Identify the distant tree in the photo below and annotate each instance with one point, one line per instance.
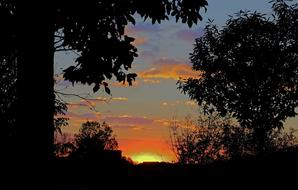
(94, 30)
(249, 69)
(209, 138)
(93, 139)
(212, 137)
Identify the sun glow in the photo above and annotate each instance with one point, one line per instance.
(146, 157)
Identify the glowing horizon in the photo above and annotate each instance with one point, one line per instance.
(146, 157)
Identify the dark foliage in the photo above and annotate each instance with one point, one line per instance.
(93, 141)
(249, 69)
(275, 170)
(212, 138)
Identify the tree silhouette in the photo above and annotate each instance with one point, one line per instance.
(211, 137)
(94, 30)
(249, 69)
(93, 139)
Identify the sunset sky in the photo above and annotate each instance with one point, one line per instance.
(140, 115)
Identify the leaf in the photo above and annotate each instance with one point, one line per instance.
(105, 84)
(69, 69)
(121, 30)
(153, 20)
(189, 23)
(128, 39)
(131, 19)
(96, 87)
(169, 8)
(107, 90)
(200, 17)
(129, 82)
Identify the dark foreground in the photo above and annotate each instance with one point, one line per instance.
(278, 170)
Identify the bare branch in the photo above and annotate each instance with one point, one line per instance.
(86, 99)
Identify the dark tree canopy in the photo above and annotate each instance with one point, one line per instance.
(249, 68)
(93, 139)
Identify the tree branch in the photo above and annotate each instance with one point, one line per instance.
(87, 100)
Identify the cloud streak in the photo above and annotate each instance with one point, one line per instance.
(168, 69)
(128, 120)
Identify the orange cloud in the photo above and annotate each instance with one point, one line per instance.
(168, 69)
(120, 84)
(139, 41)
(121, 99)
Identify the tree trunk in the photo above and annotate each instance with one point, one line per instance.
(35, 82)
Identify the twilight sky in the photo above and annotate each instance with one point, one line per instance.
(140, 115)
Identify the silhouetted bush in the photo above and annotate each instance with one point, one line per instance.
(93, 141)
(213, 137)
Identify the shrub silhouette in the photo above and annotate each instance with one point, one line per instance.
(213, 138)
